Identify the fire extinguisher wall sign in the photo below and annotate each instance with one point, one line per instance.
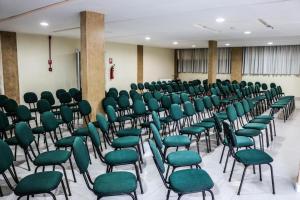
(111, 72)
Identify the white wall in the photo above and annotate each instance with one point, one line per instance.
(289, 83)
(33, 63)
(125, 59)
(1, 71)
(158, 63)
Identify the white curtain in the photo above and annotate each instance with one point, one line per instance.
(278, 60)
(196, 60)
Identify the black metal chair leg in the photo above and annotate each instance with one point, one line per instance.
(232, 170)
(272, 177)
(222, 154)
(243, 176)
(65, 174)
(64, 189)
(226, 161)
(72, 169)
(139, 178)
(260, 177)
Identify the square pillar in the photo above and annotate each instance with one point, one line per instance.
(92, 59)
(236, 63)
(10, 65)
(212, 61)
(140, 64)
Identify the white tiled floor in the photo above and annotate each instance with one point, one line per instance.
(285, 150)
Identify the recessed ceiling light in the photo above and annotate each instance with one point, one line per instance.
(220, 19)
(147, 38)
(227, 44)
(270, 43)
(175, 42)
(247, 32)
(193, 46)
(44, 24)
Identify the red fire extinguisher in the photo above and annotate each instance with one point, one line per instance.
(111, 74)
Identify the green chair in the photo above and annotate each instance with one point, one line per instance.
(47, 95)
(43, 105)
(23, 114)
(104, 185)
(133, 86)
(168, 141)
(3, 99)
(241, 141)
(184, 97)
(49, 158)
(113, 118)
(31, 99)
(153, 105)
(121, 142)
(182, 182)
(5, 126)
(175, 99)
(247, 157)
(166, 104)
(31, 184)
(124, 105)
(191, 131)
(116, 157)
(141, 114)
(122, 132)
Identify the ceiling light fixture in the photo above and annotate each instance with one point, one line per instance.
(193, 46)
(45, 24)
(227, 44)
(247, 32)
(148, 38)
(270, 43)
(220, 20)
(175, 42)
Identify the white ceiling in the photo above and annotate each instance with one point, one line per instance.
(165, 21)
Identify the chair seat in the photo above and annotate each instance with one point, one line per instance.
(176, 141)
(222, 115)
(12, 141)
(121, 157)
(84, 131)
(257, 126)
(206, 125)
(66, 141)
(208, 120)
(261, 121)
(125, 142)
(183, 158)
(129, 132)
(38, 183)
(123, 118)
(248, 132)
(269, 117)
(193, 130)
(52, 158)
(190, 180)
(242, 141)
(253, 157)
(115, 183)
(38, 130)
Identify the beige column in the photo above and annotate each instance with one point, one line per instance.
(140, 64)
(92, 59)
(212, 61)
(10, 65)
(175, 65)
(236, 63)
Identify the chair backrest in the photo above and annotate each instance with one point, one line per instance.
(111, 114)
(246, 106)
(95, 137)
(43, 106)
(231, 113)
(84, 108)
(175, 98)
(156, 136)
(59, 92)
(184, 97)
(30, 97)
(23, 113)
(157, 157)
(47, 95)
(139, 107)
(207, 103)
(123, 93)
(11, 106)
(3, 99)
(199, 105)
(156, 120)
(176, 112)
(123, 101)
(157, 95)
(6, 157)
(166, 102)
(218, 123)
(66, 114)
(189, 109)
(4, 122)
(24, 135)
(230, 136)
(73, 92)
(239, 109)
(147, 96)
(153, 104)
(140, 86)
(65, 98)
(103, 123)
(81, 155)
(49, 121)
(133, 86)
(216, 100)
